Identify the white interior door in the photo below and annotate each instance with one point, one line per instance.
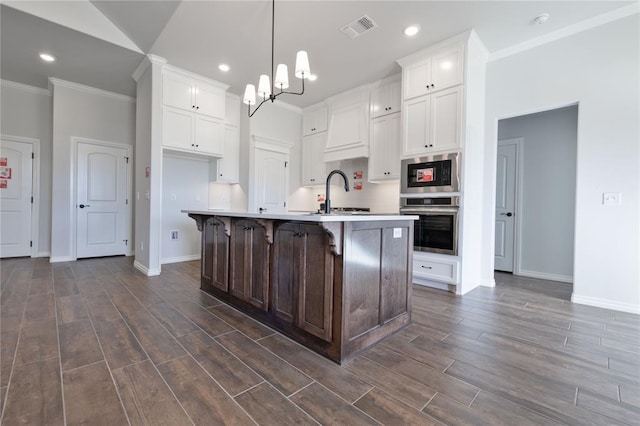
(505, 206)
(101, 202)
(271, 181)
(16, 184)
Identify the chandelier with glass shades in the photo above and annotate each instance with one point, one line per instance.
(281, 81)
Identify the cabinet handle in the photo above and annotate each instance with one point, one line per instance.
(197, 146)
(432, 85)
(430, 145)
(193, 106)
(192, 144)
(426, 267)
(426, 146)
(199, 107)
(220, 174)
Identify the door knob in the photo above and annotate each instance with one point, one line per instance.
(82, 206)
(507, 214)
(262, 210)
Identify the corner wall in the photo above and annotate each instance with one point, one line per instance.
(598, 69)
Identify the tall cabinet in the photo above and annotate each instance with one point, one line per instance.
(385, 131)
(314, 139)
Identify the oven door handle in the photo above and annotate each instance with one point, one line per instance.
(428, 210)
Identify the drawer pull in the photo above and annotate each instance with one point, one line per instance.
(426, 267)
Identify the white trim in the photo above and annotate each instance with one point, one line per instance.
(75, 140)
(432, 284)
(91, 90)
(148, 272)
(545, 276)
(179, 72)
(180, 259)
(169, 152)
(570, 30)
(43, 254)
(25, 87)
(56, 259)
(606, 304)
(424, 53)
(144, 64)
(271, 144)
(488, 283)
(35, 187)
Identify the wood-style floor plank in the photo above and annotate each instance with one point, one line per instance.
(90, 397)
(38, 341)
(78, 345)
(70, 309)
(241, 322)
(270, 408)
(389, 411)
(623, 413)
(39, 307)
(202, 398)
(35, 395)
(119, 345)
(146, 397)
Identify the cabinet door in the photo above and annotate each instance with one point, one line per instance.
(378, 160)
(394, 274)
(314, 120)
(446, 119)
(416, 125)
(346, 127)
(177, 92)
(283, 278)
(208, 135)
(210, 100)
(250, 263)
(229, 165)
(177, 128)
(416, 79)
(314, 273)
(394, 147)
(447, 68)
(385, 99)
(215, 256)
(395, 97)
(314, 169)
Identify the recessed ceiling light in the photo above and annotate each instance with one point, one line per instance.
(223, 67)
(412, 30)
(312, 77)
(47, 57)
(540, 19)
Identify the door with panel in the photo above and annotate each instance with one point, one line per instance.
(249, 252)
(102, 220)
(271, 181)
(215, 254)
(506, 175)
(16, 184)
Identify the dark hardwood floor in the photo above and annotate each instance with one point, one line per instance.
(95, 342)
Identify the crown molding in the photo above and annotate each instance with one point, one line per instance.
(146, 61)
(579, 27)
(25, 87)
(92, 90)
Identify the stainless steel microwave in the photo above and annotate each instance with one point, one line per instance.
(434, 173)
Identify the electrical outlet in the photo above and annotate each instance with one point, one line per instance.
(173, 197)
(174, 235)
(141, 246)
(611, 198)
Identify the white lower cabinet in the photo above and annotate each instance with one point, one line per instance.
(314, 169)
(186, 131)
(433, 267)
(384, 155)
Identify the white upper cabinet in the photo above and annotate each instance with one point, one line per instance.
(314, 170)
(432, 123)
(348, 134)
(228, 169)
(193, 114)
(314, 119)
(384, 156)
(442, 69)
(232, 110)
(385, 97)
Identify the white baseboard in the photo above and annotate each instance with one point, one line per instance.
(180, 259)
(43, 254)
(148, 272)
(488, 282)
(56, 259)
(545, 276)
(432, 284)
(604, 303)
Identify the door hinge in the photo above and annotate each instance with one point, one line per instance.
(30, 243)
(126, 242)
(126, 201)
(31, 199)
(33, 156)
(285, 204)
(285, 163)
(127, 158)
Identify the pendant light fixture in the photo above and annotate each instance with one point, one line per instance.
(266, 86)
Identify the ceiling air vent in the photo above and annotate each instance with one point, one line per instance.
(359, 27)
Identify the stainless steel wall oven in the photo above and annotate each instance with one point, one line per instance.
(436, 230)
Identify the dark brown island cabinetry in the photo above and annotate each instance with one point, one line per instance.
(336, 286)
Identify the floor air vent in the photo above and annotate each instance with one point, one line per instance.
(359, 27)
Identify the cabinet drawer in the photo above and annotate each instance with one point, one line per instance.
(436, 270)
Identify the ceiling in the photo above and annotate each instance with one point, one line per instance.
(199, 35)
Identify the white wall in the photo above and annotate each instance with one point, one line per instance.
(26, 111)
(80, 112)
(548, 190)
(185, 185)
(598, 69)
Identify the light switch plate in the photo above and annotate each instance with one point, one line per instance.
(612, 198)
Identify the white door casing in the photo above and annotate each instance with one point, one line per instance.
(102, 211)
(16, 192)
(506, 200)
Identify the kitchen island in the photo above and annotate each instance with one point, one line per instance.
(335, 283)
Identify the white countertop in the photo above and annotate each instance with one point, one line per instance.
(306, 217)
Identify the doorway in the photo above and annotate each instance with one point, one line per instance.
(103, 210)
(19, 200)
(536, 183)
